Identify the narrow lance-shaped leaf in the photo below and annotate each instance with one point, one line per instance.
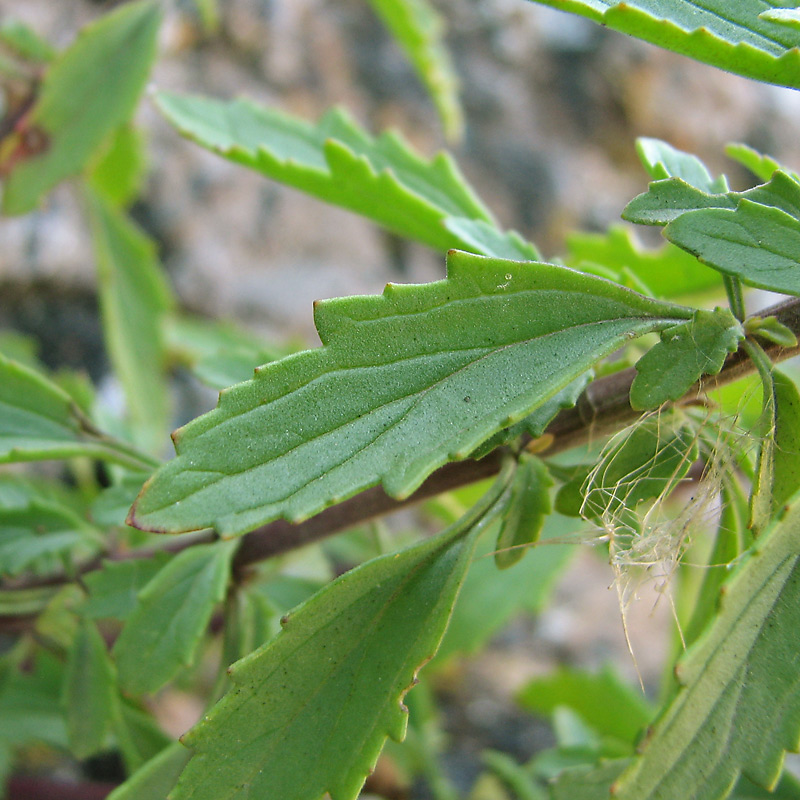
(761, 165)
(117, 173)
(405, 382)
(134, 298)
(685, 353)
(786, 481)
(90, 89)
(736, 37)
(310, 711)
(739, 708)
(38, 420)
(419, 30)
(529, 505)
(336, 161)
(89, 691)
(165, 630)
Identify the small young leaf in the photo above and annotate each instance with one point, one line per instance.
(739, 708)
(134, 298)
(38, 420)
(88, 91)
(684, 354)
(336, 161)
(155, 779)
(762, 166)
(428, 372)
(591, 696)
(770, 329)
(644, 461)
(528, 507)
(662, 160)
(756, 243)
(89, 691)
(166, 628)
(310, 711)
(732, 36)
(419, 30)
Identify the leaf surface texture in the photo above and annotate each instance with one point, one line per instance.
(405, 382)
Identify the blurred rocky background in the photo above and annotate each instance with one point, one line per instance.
(552, 105)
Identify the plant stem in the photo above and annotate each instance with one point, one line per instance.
(602, 409)
(733, 288)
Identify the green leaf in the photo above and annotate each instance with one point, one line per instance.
(166, 628)
(490, 598)
(728, 546)
(529, 505)
(666, 200)
(684, 354)
(29, 704)
(133, 298)
(770, 329)
(644, 461)
(155, 779)
(588, 782)
(739, 708)
(478, 236)
(89, 691)
(786, 459)
(110, 507)
(88, 90)
(535, 424)
(218, 353)
(667, 271)
(662, 160)
(591, 695)
(38, 420)
(762, 166)
(138, 735)
(114, 588)
(118, 172)
(756, 243)
(33, 535)
(735, 37)
(428, 372)
(419, 30)
(24, 42)
(310, 711)
(336, 161)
